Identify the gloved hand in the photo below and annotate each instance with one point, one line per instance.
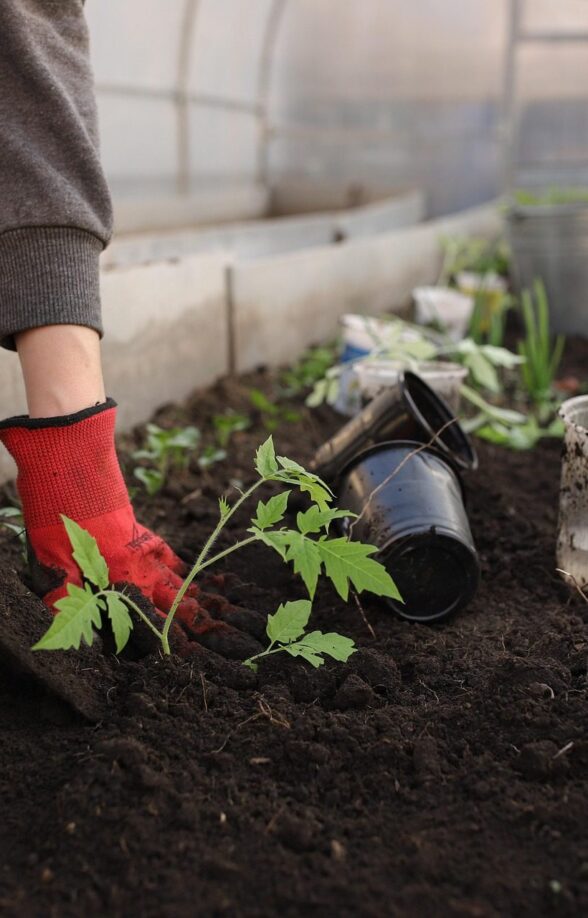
(68, 465)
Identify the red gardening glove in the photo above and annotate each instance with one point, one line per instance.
(68, 465)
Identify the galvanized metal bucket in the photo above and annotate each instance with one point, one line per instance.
(551, 242)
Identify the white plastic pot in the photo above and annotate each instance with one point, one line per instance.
(448, 308)
(445, 378)
(572, 535)
(364, 334)
(471, 283)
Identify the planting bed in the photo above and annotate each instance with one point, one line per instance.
(442, 771)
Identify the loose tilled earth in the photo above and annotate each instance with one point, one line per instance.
(442, 771)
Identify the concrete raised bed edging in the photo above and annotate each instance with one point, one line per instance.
(171, 325)
(281, 305)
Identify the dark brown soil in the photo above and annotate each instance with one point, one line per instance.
(442, 771)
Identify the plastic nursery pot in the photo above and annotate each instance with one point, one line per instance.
(409, 503)
(572, 534)
(443, 377)
(442, 306)
(361, 335)
(408, 411)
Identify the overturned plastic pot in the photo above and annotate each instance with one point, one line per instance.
(409, 503)
(572, 534)
(411, 410)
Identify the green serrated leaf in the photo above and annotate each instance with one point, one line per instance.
(317, 491)
(291, 466)
(333, 644)
(289, 622)
(120, 619)
(224, 507)
(265, 459)
(276, 540)
(86, 554)
(349, 562)
(272, 511)
(307, 653)
(314, 519)
(77, 616)
(306, 558)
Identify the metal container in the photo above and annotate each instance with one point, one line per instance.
(551, 242)
(409, 502)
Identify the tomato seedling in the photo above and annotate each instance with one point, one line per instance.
(308, 547)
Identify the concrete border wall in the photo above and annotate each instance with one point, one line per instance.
(179, 323)
(262, 238)
(281, 305)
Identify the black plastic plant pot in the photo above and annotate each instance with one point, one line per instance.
(411, 410)
(409, 503)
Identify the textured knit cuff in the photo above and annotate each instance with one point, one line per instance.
(48, 276)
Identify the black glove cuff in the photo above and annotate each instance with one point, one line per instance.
(64, 420)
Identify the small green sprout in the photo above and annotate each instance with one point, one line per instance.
(164, 450)
(225, 425)
(286, 631)
(311, 367)
(542, 358)
(272, 414)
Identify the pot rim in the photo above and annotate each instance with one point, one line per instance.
(567, 408)
(469, 459)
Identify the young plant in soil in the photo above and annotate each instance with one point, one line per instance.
(286, 631)
(309, 548)
(272, 414)
(541, 357)
(228, 423)
(164, 450)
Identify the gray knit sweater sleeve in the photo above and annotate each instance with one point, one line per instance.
(55, 210)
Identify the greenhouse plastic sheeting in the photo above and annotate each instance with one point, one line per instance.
(370, 96)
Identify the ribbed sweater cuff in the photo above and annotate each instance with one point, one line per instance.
(48, 276)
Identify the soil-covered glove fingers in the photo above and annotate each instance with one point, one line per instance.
(166, 556)
(253, 623)
(222, 638)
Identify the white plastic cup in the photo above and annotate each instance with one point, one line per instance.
(448, 308)
(472, 283)
(443, 377)
(364, 334)
(361, 336)
(572, 532)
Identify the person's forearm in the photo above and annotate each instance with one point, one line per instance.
(55, 211)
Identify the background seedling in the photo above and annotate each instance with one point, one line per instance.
(11, 518)
(465, 253)
(542, 358)
(225, 425)
(311, 367)
(164, 449)
(272, 414)
(309, 547)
